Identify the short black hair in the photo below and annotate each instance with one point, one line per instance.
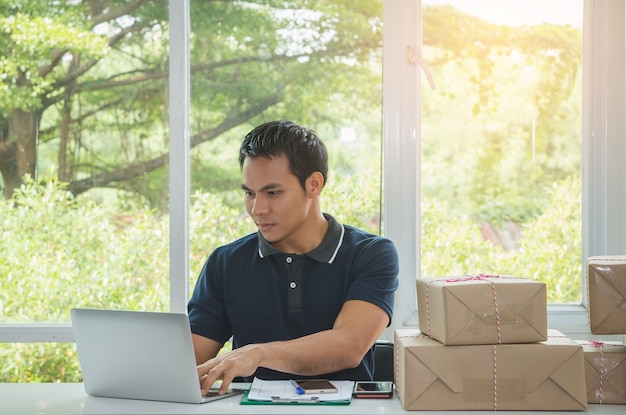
(302, 147)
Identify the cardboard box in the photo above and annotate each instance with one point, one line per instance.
(538, 376)
(605, 371)
(606, 290)
(482, 309)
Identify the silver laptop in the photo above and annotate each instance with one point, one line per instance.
(138, 355)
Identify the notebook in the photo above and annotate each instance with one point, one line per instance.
(138, 355)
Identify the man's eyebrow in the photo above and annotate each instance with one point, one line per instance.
(267, 187)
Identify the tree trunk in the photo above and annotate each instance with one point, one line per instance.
(18, 149)
(8, 166)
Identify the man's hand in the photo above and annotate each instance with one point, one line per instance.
(243, 361)
(357, 327)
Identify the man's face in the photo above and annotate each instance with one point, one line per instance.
(275, 200)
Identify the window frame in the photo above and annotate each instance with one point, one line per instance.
(603, 167)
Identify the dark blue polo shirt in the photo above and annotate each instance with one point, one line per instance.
(255, 293)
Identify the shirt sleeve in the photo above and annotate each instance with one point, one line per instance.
(376, 274)
(207, 313)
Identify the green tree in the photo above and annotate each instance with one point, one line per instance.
(84, 83)
(500, 121)
(452, 245)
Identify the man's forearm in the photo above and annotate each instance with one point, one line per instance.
(315, 354)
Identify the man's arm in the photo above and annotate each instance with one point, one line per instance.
(356, 329)
(204, 348)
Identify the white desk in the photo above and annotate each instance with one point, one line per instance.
(70, 399)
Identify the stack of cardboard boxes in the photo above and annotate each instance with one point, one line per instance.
(483, 344)
(605, 362)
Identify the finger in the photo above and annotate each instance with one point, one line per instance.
(209, 379)
(202, 370)
(205, 367)
(226, 381)
(205, 385)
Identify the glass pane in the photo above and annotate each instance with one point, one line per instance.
(314, 63)
(83, 152)
(501, 141)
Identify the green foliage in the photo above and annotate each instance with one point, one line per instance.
(55, 244)
(213, 224)
(60, 252)
(354, 200)
(39, 362)
(502, 120)
(94, 75)
(451, 244)
(34, 42)
(552, 250)
(549, 251)
(500, 138)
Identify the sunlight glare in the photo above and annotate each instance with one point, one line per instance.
(519, 12)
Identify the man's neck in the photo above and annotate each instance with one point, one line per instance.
(308, 237)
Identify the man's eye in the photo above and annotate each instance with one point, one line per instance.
(273, 192)
(248, 193)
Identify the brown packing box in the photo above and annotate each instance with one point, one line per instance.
(537, 376)
(462, 310)
(606, 290)
(605, 371)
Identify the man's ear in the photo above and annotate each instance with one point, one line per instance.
(314, 184)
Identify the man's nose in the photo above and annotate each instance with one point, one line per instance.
(259, 206)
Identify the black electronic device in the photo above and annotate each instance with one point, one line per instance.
(380, 389)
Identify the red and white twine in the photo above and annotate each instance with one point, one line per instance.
(397, 359)
(495, 378)
(600, 344)
(478, 277)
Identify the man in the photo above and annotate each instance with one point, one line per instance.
(304, 296)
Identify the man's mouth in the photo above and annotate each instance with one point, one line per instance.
(264, 227)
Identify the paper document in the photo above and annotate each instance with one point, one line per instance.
(284, 391)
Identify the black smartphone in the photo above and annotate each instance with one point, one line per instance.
(373, 389)
(316, 386)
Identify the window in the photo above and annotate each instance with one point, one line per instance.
(291, 61)
(501, 127)
(83, 99)
(249, 62)
(414, 120)
(274, 46)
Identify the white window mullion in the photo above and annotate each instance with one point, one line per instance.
(604, 127)
(604, 133)
(34, 333)
(401, 149)
(179, 167)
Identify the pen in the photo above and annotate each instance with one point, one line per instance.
(298, 387)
